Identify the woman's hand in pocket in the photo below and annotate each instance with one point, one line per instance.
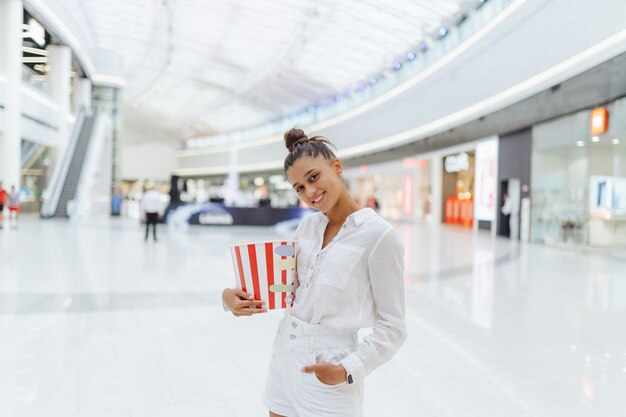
(241, 303)
(327, 373)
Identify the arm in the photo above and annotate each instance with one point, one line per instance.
(386, 269)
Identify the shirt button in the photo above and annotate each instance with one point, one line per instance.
(292, 336)
(294, 324)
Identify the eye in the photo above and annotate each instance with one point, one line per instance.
(299, 189)
(313, 177)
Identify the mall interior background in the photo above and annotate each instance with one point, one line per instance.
(438, 111)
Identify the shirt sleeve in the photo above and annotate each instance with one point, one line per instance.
(386, 271)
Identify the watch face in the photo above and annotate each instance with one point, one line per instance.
(350, 381)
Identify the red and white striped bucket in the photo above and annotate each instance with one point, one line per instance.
(266, 269)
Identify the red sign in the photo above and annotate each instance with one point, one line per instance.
(407, 204)
(599, 120)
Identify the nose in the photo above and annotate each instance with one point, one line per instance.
(310, 191)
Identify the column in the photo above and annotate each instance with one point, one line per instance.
(60, 61)
(106, 100)
(232, 191)
(11, 16)
(82, 95)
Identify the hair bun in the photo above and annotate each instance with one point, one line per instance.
(294, 136)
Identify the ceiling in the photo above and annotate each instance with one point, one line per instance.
(202, 67)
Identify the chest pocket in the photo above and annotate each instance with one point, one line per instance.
(338, 264)
(304, 255)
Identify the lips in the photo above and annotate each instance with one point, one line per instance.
(318, 199)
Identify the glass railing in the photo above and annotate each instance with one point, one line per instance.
(34, 79)
(414, 63)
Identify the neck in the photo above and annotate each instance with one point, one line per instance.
(339, 212)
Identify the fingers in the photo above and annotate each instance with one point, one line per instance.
(312, 368)
(248, 311)
(242, 294)
(240, 303)
(248, 308)
(249, 304)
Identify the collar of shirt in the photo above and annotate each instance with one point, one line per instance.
(355, 219)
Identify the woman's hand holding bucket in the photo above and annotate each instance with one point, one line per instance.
(240, 303)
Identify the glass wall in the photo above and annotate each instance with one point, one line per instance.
(579, 181)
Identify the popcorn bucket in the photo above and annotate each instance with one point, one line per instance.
(267, 270)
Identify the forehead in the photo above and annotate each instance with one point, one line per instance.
(303, 165)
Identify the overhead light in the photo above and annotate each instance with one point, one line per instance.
(36, 32)
(595, 139)
(443, 31)
(35, 51)
(615, 141)
(360, 87)
(330, 101)
(372, 80)
(425, 46)
(410, 56)
(397, 65)
(34, 59)
(580, 143)
(311, 109)
(339, 97)
(349, 92)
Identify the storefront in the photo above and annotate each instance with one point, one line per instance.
(457, 186)
(399, 190)
(579, 178)
(36, 172)
(469, 184)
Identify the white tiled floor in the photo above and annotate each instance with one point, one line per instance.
(95, 322)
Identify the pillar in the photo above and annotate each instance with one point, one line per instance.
(11, 16)
(82, 95)
(60, 61)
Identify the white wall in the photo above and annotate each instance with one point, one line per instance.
(542, 43)
(39, 115)
(149, 160)
(146, 152)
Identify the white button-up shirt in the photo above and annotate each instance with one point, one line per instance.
(355, 282)
(151, 202)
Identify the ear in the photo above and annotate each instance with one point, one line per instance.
(338, 166)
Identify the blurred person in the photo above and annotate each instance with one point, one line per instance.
(116, 203)
(152, 210)
(506, 214)
(3, 199)
(14, 205)
(372, 203)
(349, 276)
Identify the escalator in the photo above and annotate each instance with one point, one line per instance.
(68, 192)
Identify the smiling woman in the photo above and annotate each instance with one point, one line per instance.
(349, 276)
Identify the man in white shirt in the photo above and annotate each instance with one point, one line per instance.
(152, 209)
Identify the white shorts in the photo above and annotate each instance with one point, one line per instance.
(292, 393)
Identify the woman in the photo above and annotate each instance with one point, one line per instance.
(350, 276)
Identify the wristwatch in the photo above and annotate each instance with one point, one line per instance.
(349, 377)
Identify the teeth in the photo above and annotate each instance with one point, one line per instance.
(318, 199)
